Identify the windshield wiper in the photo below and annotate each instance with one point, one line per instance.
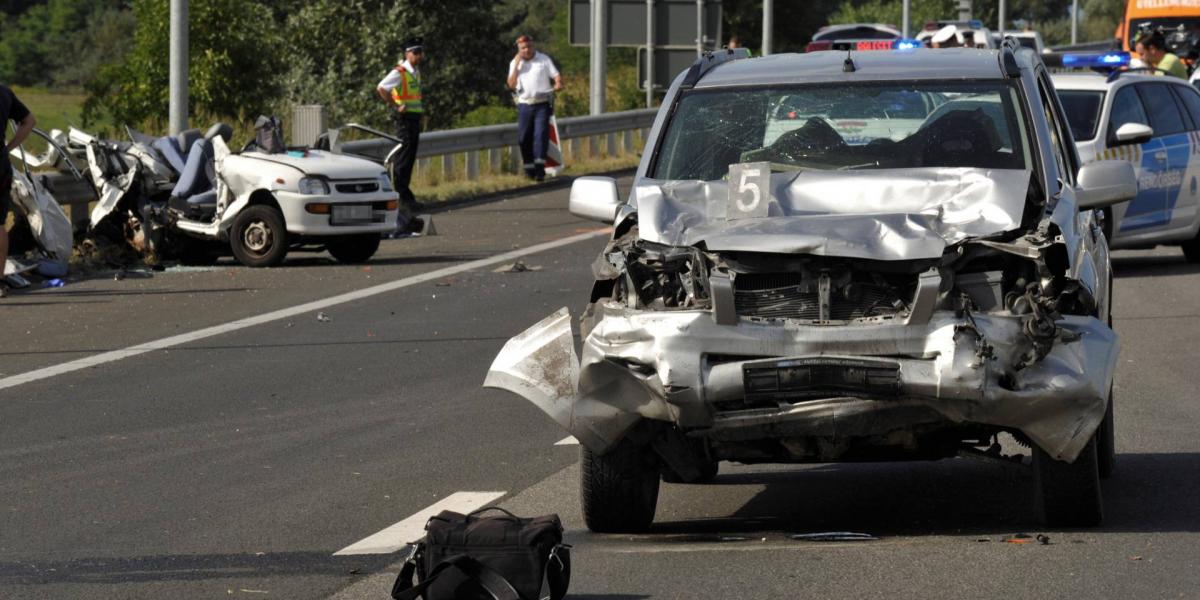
(862, 166)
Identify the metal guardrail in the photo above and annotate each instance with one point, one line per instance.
(493, 137)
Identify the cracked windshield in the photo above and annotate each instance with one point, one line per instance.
(845, 127)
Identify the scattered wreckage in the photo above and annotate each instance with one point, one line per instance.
(41, 239)
(190, 197)
(808, 299)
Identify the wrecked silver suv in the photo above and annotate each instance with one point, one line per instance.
(841, 257)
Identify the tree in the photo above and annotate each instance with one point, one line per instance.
(235, 61)
(341, 49)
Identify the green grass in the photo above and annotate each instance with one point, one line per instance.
(54, 109)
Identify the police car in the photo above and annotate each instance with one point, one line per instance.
(1154, 123)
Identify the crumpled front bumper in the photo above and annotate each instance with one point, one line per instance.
(660, 365)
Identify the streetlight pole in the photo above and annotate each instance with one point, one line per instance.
(1074, 22)
(1003, 18)
(178, 111)
(768, 26)
(599, 65)
(906, 22)
(649, 53)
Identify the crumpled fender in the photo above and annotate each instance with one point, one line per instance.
(540, 365)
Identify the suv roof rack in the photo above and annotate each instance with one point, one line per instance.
(707, 61)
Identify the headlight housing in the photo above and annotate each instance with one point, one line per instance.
(385, 183)
(314, 186)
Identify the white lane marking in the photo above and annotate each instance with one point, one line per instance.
(411, 529)
(184, 338)
(567, 441)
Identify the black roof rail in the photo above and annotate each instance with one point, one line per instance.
(707, 61)
(1009, 47)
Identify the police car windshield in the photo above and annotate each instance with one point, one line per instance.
(1083, 112)
(836, 126)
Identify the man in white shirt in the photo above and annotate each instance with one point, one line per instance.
(401, 89)
(533, 78)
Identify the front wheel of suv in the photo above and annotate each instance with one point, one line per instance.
(619, 489)
(1068, 494)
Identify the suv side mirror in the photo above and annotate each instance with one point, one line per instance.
(595, 198)
(1133, 133)
(1106, 182)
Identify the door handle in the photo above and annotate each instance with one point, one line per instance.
(1161, 155)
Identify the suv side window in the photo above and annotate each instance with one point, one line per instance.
(1191, 100)
(1164, 113)
(1126, 108)
(1058, 136)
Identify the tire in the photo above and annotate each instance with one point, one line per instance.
(355, 248)
(1106, 443)
(618, 490)
(258, 237)
(1068, 494)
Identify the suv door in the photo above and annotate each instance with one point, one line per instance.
(1170, 128)
(1137, 215)
(1187, 204)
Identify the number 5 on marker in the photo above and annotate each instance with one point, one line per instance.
(749, 190)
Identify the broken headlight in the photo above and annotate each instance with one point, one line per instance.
(660, 277)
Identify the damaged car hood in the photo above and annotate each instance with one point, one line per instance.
(318, 162)
(892, 214)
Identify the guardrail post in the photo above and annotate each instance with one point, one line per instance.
(514, 159)
(495, 158)
(593, 146)
(574, 146)
(627, 140)
(473, 165)
(612, 144)
(447, 166)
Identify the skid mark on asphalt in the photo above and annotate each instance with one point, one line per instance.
(184, 338)
(399, 535)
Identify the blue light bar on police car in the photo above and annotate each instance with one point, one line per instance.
(1091, 61)
(907, 44)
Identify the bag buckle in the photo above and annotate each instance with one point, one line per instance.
(414, 550)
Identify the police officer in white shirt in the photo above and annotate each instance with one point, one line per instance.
(534, 79)
(401, 89)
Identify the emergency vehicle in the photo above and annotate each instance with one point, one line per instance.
(1167, 14)
(1152, 122)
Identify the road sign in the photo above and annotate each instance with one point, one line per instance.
(674, 23)
(668, 62)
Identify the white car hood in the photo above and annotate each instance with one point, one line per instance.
(320, 162)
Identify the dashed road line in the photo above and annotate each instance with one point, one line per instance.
(567, 441)
(207, 332)
(411, 529)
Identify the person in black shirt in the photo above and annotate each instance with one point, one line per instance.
(10, 109)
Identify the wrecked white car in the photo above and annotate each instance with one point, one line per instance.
(809, 299)
(191, 196)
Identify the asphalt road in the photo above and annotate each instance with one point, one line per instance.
(236, 464)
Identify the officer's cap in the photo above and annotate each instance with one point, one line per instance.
(413, 44)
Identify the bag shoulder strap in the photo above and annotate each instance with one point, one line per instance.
(492, 582)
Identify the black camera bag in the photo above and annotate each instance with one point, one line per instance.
(505, 557)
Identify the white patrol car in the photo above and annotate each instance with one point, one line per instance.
(1154, 123)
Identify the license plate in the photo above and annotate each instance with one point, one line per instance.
(353, 213)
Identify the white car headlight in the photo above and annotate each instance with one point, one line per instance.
(314, 186)
(385, 183)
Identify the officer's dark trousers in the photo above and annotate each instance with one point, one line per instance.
(408, 129)
(533, 133)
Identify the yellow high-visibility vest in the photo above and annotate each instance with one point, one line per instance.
(408, 92)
